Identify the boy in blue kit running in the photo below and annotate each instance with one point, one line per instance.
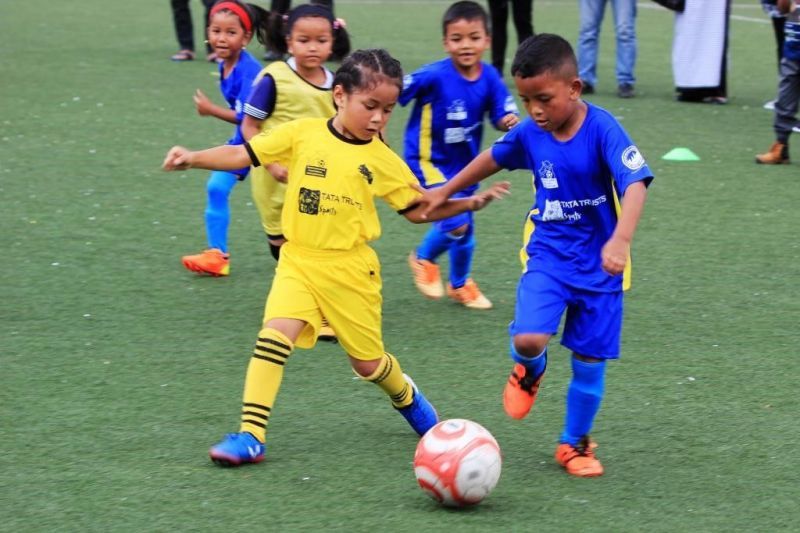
(583, 164)
(451, 98)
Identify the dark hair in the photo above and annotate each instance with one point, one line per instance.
(465, 11)
(364, 69)
(259, 18)
(542, 53)
(280, 27)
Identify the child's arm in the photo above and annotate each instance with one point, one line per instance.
(507, 122)
(206, 107)
(225, 157)
(617, 249)
(451, 207)
(477, 170)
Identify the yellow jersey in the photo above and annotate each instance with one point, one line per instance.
(333, 182)
(295, 97)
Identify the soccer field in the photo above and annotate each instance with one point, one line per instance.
(118, 368)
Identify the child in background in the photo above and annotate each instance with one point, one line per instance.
(284, 91)
(336, 167)
(579, 252)
(788, 87)
(451, 98)
(287, 90)
(231, 26)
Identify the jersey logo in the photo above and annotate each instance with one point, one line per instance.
(548, 175)
(309, 201)
(366, 173)
(318, 170)
(408, 79)
(457, 110)
(632, 158)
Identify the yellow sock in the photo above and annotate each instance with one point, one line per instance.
(264, 375)
(389, 377)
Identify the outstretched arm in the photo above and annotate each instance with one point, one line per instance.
(225, 157)
(477, 170)
(452, 207)
(617, 249)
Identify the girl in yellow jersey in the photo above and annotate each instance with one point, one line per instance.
(336, 167)
(299, 87)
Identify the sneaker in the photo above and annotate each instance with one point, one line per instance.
(236, 449)
(777, 154)
(769, 106)
(520, 392)
(625, 90)
(469, 295)
(579, 460)
(326, 333)
(211, 261)
(420, 415)
(588, 88)
(426, 276)
(183, 55)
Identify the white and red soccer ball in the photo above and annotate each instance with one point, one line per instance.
(457, 462)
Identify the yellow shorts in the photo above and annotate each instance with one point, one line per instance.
(344, 286)
(268, 194)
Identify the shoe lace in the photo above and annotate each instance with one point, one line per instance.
(526, 382)
(585, 447)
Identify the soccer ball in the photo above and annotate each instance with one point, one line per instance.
(457, 462)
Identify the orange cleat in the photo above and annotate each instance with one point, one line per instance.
(579, 460)
(520, 392)
(211, 261)
(469, 296)
(426, 276)
(326, 333)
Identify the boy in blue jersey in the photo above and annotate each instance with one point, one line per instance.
(451, 98)
(583, 164)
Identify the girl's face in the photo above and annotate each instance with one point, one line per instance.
(310, 41)
(363, 113)
(227, 35)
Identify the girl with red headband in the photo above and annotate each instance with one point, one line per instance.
(231, 25)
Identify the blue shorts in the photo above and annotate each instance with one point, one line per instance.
(594, 319)
(446, 225)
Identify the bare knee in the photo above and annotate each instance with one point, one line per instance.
(531, 344)
(364, 367)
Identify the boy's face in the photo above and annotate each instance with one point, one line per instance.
(549, 98)
(466, 41)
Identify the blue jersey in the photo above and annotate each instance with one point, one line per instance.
(577, 184)
(236, 88)
(446, 125)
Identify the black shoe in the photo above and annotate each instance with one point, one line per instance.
(588, 88)
(625, 90)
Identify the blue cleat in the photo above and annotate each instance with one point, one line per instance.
(420, 415)
(237, 449)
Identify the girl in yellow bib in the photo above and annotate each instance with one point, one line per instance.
(336, 168)
(299, 87)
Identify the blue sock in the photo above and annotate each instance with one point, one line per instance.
(583, 399)
(461, 258)
(434, 244)
(536, 364)
(218, 214)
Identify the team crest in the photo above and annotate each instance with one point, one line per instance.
(457, 110)
(548, 176)
(366, 173)
(632, 158)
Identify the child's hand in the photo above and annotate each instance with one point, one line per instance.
(496, 191)
(178, 158)
(279, 172)
(202, 103)
(615, 255)
(430, 199)
(508, 122)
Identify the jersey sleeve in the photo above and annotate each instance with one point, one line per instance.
(395, 183)
(245, 85)
(273, 146)
(502, 102)
(626, 162)
(509, 150)
(415, 85)
(261, 101)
